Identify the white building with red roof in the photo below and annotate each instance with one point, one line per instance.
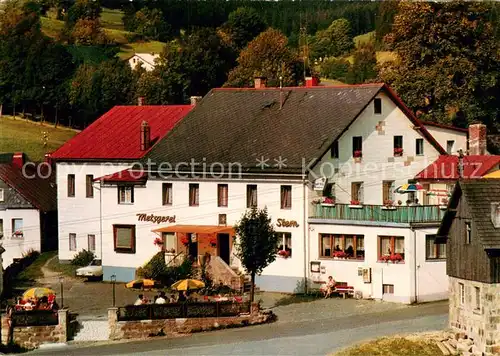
(112, 143)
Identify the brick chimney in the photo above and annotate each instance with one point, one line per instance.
(312, 82)
(195, 100)
(18, 159)
(145, 136)
(477, 139)
(260, 82)
(140, 101)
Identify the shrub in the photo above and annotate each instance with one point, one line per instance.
(335, 69)
(83, 258)
(156, 269)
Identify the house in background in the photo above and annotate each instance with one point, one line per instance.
(146, 60)
(28, 216)
(112, 143)
(471, 230)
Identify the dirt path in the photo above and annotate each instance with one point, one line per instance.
(50, 277)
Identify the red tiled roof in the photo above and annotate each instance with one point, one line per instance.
(446, 167)
(127, 175)
(39, 191)
(116, 134)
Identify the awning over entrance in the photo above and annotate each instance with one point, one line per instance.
(198, 229)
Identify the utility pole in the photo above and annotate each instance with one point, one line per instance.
(304, 48)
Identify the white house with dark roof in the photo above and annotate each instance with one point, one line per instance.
(286, 149)
(146, 60)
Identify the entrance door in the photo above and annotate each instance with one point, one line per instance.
(223, 247)
(193, 247)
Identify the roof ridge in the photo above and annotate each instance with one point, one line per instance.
(334, 86)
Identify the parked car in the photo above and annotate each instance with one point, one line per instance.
(92, 271)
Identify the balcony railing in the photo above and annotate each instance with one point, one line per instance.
(397, 214)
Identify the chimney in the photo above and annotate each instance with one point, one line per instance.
(477, 139)
(259, 82)
(195, 100)
(312, 82)
(48, 158)
(18, 160)
(140, 101)
(145, 136)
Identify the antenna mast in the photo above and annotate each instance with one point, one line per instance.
(303, 44)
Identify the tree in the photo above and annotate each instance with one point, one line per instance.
(88, 32)
(334, 41)
(150, 24)
(448, 66)
(384, 20)
(364, 64)
(243, 25)
(83, 9)
(257, 243)
(267, 55)
(335, 69)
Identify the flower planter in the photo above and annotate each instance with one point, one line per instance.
(388, 208)
(356, 206)
(443, 207)
(327, 204)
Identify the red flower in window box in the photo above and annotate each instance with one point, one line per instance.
(283, 253)
(357, 154)
(328, 200)
(213, 241)
(185, 240)
(385, 258)
(18, 233)
(340, 254)
(388, 202)
(158, 242)
(398, 151)
(396, 258)
(355, 202)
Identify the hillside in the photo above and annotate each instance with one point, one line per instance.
(31, 139)
(111, 20)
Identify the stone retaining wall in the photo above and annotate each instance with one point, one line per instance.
(31, 337)
(147, 328)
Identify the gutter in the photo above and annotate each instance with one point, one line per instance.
(305, 230)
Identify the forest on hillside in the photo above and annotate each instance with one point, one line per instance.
(62, 60)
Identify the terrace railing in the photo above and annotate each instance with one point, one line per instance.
(34, 318)
(396, 214)
(182, 310)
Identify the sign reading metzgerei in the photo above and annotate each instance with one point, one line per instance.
(156, 218)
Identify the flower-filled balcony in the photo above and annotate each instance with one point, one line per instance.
(383, 213)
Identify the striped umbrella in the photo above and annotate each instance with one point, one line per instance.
(408, 188)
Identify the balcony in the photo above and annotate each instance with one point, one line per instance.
(398, 214)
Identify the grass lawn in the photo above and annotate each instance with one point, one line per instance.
(364, 38)
(127, 50)
(51, 27)
(112, 18)
(34, 271)
(66, 269)
(398, 346)
(19, 135)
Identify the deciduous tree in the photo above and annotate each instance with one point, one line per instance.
(334, 41)
(449, 56)
(364, 64)
(243, 25)
(267, 55)
(257, 243)
(150, 24)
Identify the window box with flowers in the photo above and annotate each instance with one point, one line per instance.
(357, 155)
(340, 255)
(18, 234)
(398, 152)
(328, 201)
(158, 242)
(394, 258)
(213, 241)
(388, 205)
(355, 204)
(185, 240)
(283, 253)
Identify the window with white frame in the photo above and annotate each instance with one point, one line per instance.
(477, 292)
(461, 291)
(419, 146)
(391, 246)
(387, 288)
(285, 242)
(286, 197)
(72, 242)
(167, 193)
(124, 238)
(125, 195)
(168, 241)
(434, 251)
(91, 242)
(17, 228)
(357, 192)
(340, 245)
(2, 198)
(194, 194)
(251, 195)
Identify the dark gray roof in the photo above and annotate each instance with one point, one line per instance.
(242, 125)
(480, 194)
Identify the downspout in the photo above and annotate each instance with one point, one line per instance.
(414, 264)
(305, 230)
(100, 214)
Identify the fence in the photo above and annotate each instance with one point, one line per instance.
(34, 318)
(182, 310)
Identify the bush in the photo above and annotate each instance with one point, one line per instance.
(157, 270)
(335, 69)
(83, 258)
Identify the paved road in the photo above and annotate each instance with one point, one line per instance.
(303, 337)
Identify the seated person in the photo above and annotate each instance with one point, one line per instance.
(140, 300)
(43, 303)
(162, 299)
(330, 287)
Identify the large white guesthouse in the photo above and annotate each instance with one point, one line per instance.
(287, 150)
